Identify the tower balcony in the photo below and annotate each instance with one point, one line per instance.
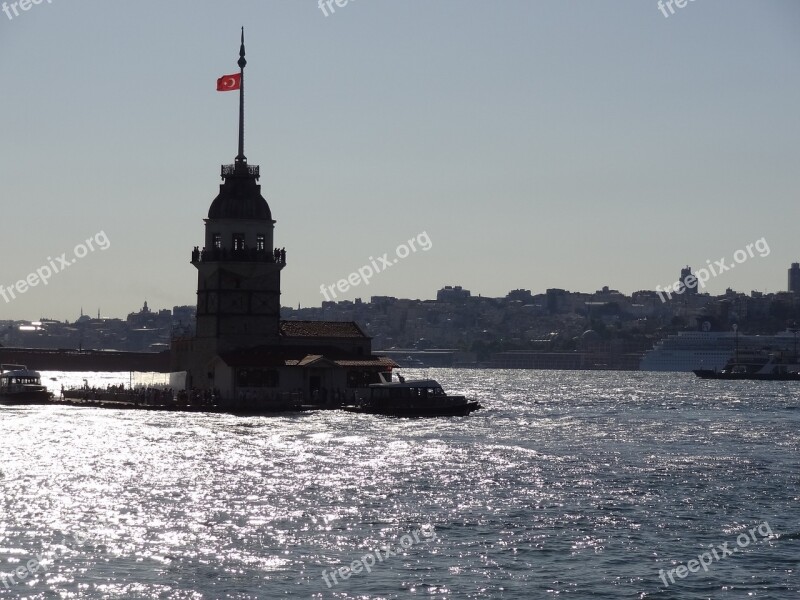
(276, 256)
(240, 169)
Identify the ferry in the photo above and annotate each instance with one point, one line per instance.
(760, 366)
(21, 386)
(418, 398)
(710, 350)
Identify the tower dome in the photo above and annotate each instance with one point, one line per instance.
(240, 196)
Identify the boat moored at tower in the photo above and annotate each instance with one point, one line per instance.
(415, 398)
(22, 386)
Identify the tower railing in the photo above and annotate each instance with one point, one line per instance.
(240, 169)
(276, 256)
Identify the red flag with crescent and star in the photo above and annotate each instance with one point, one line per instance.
(228, 83)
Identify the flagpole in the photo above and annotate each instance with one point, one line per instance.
(241, 158)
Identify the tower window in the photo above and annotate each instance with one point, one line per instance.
(238, 241)
(217, 240)
(260, 242)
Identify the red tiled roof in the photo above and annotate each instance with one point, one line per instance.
(316, 329)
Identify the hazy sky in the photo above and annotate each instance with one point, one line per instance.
(539, 144)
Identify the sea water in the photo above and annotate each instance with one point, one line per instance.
(567, 484)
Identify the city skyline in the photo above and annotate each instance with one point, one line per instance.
(530, 158)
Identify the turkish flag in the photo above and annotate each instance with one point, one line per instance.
(229, 83)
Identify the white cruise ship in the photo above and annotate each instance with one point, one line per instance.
(690, 350)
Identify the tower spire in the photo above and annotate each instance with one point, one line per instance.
(241, 158)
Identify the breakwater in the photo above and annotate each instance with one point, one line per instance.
(86, 360)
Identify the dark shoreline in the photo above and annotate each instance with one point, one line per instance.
(87, 360)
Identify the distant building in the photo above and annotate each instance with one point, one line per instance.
(523, 296)
(147, 319)
(183, 320)
(691, 287)
(452, 294)
(556, 300)
(794, 278)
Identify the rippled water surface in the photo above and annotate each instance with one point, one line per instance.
(577, 484)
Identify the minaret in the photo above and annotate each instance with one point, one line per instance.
(238, 283)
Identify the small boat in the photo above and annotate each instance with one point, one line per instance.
(20, 386)
(420, 398)
(409, 362)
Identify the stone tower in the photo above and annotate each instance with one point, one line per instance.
(238, 269)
